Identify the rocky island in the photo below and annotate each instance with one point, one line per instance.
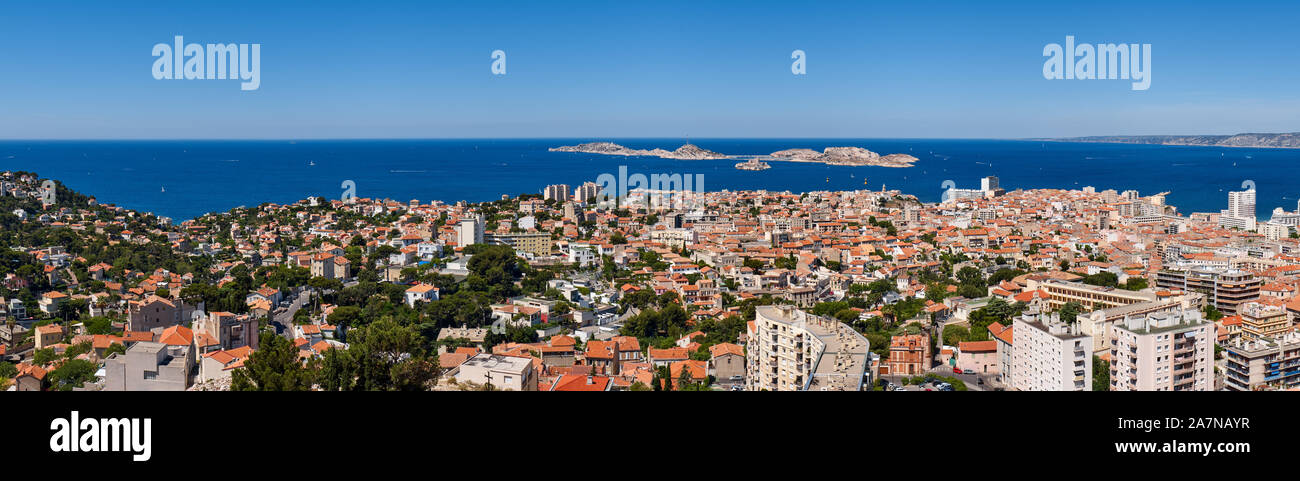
(832, 155)
(685, 152)
(753, 164)
(844, 156)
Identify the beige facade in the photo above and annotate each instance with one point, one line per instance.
(535, 243)
(1260, 321)
(1059, 293)
(1163, 352)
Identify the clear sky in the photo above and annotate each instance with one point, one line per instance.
(961, 69)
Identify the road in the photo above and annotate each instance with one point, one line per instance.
(283, 321)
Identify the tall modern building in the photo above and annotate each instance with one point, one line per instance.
(587, 191)
(792, 350)
(559, 192)
(1241, 210)
(1050, 355)
(989, 184)
(1170, 351)
(470, 231)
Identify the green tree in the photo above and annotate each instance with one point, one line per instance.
(44, 356)
(388, 356)
(73, 373)
(1100, 374)
(114, 348)
(274, 366)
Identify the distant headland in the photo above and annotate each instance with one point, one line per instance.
(1279, 141)
(832, 155)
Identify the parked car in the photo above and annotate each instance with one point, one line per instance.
(956, 370)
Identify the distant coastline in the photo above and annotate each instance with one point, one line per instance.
(1249, 140)
(853, 156)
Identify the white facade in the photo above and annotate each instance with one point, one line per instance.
(470, 231)
(1049, 355)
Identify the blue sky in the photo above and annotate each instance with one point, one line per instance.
(644, 69)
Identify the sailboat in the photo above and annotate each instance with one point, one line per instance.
(311, 163)
(164, 189)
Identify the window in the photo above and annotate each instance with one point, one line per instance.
(149, 375)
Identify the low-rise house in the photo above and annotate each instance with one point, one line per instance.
(502, 372)
(149, 366)
(980, 357)
(421, 293)
(48, 335)
(153, 313)
(581, 382)
(218, 365)
(664, 357)
(727, 361)
(31, 378)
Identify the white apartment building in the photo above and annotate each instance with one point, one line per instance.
(1171, 351)
(1050, 355)
(587, 191)
(470, 231)
(792, 350)
(989, 184)
(674, 238)
(557, 192)
(1274, 231)
(1241, 210)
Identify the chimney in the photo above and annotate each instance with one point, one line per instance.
(590, 381)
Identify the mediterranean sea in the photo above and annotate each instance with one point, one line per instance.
(184, 179)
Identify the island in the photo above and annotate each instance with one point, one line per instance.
(856, 156)
(844, 156)
(753, 164)
(685, 152)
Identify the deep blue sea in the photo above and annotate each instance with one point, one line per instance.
(185, 179)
